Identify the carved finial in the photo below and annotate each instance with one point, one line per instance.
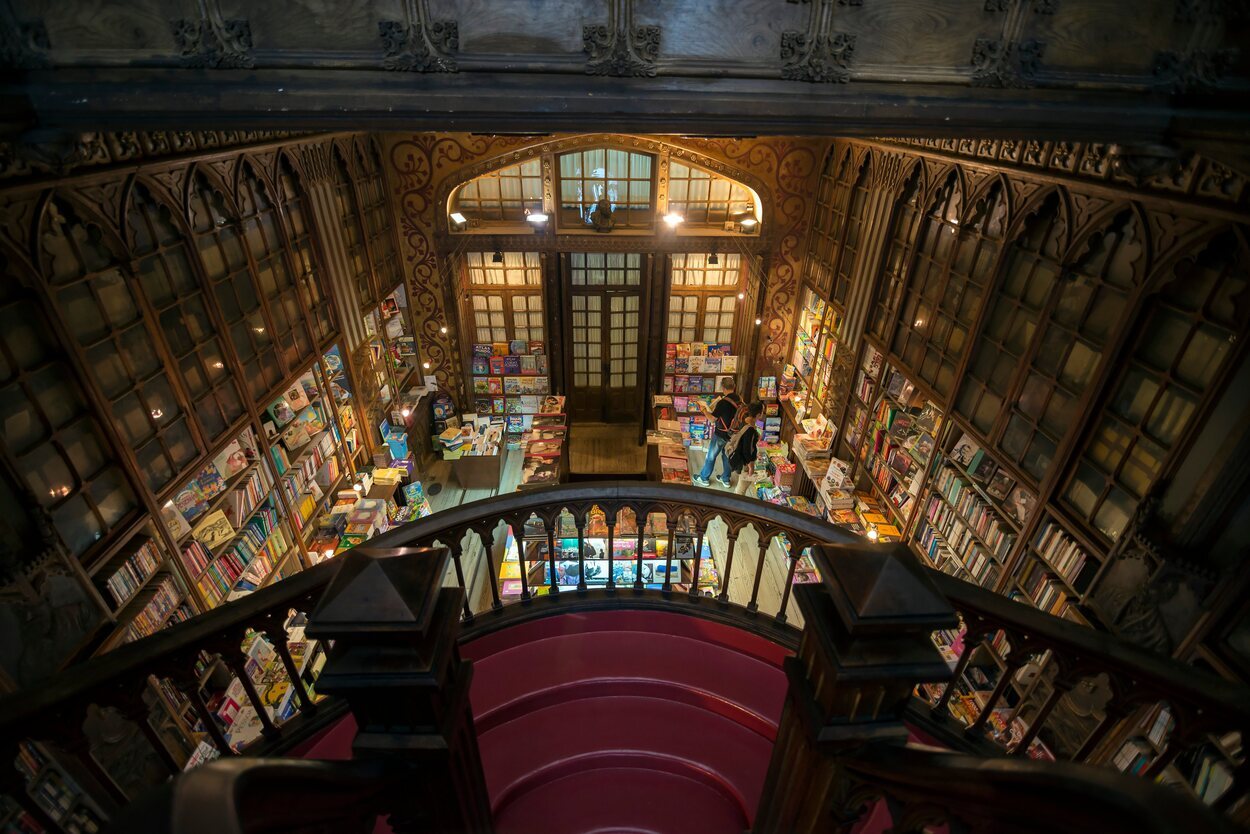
(999, 63)
(819, 54)
(212, 41)
(418, 44)
(619, 48)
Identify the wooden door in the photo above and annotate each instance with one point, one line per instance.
(606, 330)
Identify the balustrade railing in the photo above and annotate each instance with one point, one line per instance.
(1023, 681)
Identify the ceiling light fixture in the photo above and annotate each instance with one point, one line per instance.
(497, 258)
(747, 223)
(458, 220)
(673, 219)
(535, 217)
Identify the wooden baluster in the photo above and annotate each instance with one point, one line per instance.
(238, 666)
(1114, 715)
(732, 536)
(643, 519)
(1165, 758)
(551, 551)
(970, 647)
(1014, 662)
(609, 516)
(518, 535)
(133, 708)
(765, 541)
(1035, 725)
(580, 521)
(667, 585)
(486, 535)
(698, 560)
(189, 684)
(795, 553)
(278, 637)
(455, 547)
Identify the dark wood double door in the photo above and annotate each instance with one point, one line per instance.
(605, 333)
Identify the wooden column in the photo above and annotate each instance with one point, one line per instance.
(396, 662)
(865, 645)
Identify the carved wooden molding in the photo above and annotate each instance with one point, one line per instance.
(417, 43)
(1002, 63)
(1117, 166)
(619, 47)
(23, 44)
(57, 153)
(1199, 69)
(820, 54)
(212, 41)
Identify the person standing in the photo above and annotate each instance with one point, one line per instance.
(744, 446)
(721, 414)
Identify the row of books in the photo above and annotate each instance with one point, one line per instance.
(1059, 551)
(134, 571)
(261, 535)
(517, 347)
(979, 515)
(1046, 591)
(244, 498)
(151, 617)
(700, 364)
(529, 365)
(510, 385)
(683, 384)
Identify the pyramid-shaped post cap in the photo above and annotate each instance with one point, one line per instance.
(381, 590)
(881, 588)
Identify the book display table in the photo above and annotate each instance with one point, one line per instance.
(478, 471)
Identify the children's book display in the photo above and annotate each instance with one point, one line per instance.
(693, 373)
(660, 570)
(678, 419)
(510, 379)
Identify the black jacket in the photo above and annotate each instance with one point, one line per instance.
(744, 454)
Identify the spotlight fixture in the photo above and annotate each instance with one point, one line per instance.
(758, 322)
(538, 219)
(425, 365)
(872, 533)
(497, 258)
(741, 296)
(443, 330)
(673, 219)
(358, 487)
(329, 553)
(405, 412)
(747, 223)
(458, 221)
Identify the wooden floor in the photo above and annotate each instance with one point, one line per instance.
(606, 449)
(746, 550)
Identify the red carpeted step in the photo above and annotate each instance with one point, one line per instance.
(643, 733)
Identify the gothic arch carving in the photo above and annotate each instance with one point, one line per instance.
(1163, 271)
(87, 213)
(222, 186)
(1036, 205)
(1094, 225)
(615, 141)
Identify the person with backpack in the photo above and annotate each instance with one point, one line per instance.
(743, 446)
(723, 414)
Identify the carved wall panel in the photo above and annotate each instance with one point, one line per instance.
(425, 168)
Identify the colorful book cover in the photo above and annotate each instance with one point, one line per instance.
(512, 365)
(494, 385)
(667, 387)
(481, 384)
(670, 365)
(694, 364)
(552, 404)
(512, 385)
(231, 460)
(514, 405)
(481, 364)
(680, 383)
(482, 350)
(542, 363)
(498, 405)
(529, 365)
(729, 364)
(482, 405)
(496, 365)
(698, 348)
(537, 348)
(712, 365)
(518, 347)
(683, 349)
(548, 421)
(681, 364)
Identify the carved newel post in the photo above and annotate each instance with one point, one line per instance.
(396, 662)
(865, 645)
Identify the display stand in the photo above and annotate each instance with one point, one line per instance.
(478, 471)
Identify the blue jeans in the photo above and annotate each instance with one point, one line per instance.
(716, 449)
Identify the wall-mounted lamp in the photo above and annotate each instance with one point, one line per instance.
(713, 259)
(872, 534)
(742, 296)
(673, 219)
(425, 365)
(443, 330)
(458, 221)
(758, 322)
(405, 412)
(538, 219)
(497, 258)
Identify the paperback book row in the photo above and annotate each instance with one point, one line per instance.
(1059, 551)
(697, 358)
(167, 597)
(216, 575)
(1045, 589)
(976, 514)
(1014, 502)
(544, 447)
(134, 571)
(946, 541)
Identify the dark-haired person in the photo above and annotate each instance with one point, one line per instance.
(721, 415)
(743, 447)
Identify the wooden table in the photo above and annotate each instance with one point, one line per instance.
(478, 471)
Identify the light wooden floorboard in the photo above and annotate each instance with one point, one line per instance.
(606, 448)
